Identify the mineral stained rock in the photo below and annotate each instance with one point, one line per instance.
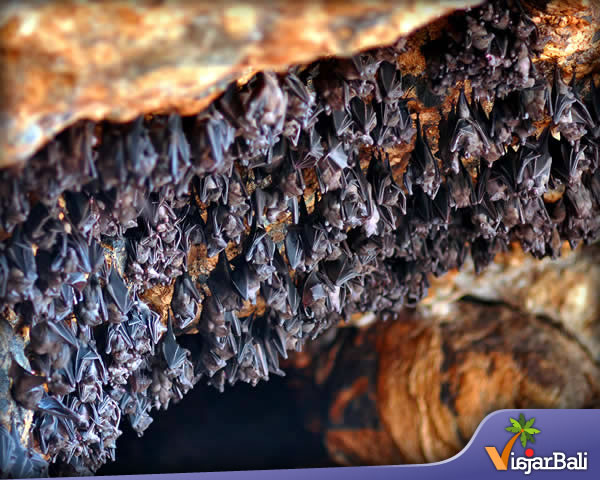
(572, 32)
(68, 60)
(415, 389)
(563, 290)
(17, 457)
(140, 258)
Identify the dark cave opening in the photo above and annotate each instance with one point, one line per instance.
(245, 428)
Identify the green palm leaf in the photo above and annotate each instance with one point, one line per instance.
(531, 430)
(515, 424)
(523, 440)
(530, 422)
(522, 420)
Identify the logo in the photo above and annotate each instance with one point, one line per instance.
(524, 430)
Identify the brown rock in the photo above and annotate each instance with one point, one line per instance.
(563, 290)
(11, 350)
(433, 379)
(448, 376)
(572, 31)
(63, 61)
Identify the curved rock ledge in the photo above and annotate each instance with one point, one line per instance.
(64, 61)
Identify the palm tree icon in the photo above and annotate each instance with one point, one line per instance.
(523, 428)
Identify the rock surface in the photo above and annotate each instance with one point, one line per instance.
(562, 290)
(63, 61)
(426, 382)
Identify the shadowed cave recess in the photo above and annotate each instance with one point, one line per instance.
(141, 260)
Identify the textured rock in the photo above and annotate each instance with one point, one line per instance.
(573, 34)
(11, 351)
(63, 61)
(454, 373)
(563, 290)
(427, 382)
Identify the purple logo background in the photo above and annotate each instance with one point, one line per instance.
(568, 431)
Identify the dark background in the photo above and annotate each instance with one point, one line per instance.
(244, 428)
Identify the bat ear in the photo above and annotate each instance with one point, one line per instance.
(463, 108)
